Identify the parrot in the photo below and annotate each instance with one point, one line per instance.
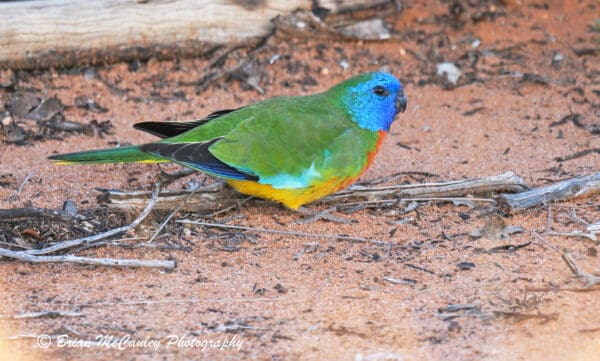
(290, 149)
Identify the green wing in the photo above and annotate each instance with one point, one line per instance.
(287, 142)
(296, 142)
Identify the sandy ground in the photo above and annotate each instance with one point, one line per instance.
(274, 297)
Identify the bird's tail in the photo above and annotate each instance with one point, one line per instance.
(131, 154)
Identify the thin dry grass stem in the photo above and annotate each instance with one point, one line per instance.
(288, 233)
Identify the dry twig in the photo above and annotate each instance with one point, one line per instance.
(116, 262)
(589, 279)
(288, 233)
(32, 212)
(169, 217)
(49, 314)
(518, 316)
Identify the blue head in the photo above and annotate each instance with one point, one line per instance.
(373, 99)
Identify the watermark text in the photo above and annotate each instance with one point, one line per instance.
(234, 342)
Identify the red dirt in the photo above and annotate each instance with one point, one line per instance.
(304, 299)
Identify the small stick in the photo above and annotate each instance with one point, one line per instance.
(576, 219)
(288, 233)
(227, 209)
(184, 300)
(164, 223)
(545, 241)
(594, 228)
(397, 281)
(481, 315)
(518, 316)
(50, 314)
(559, 289)
(589, 279)
(450, 199)
(25, 181)
(115, 262)
(590, 236)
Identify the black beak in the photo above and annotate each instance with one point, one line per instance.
(401, 102)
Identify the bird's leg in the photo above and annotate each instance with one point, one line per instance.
(311, 216)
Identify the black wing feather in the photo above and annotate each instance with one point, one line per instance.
(171, 129)
(196, 155)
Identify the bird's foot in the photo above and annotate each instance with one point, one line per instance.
(310, 216)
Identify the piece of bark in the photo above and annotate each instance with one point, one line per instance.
(13, 214)
(306, 25)
(567, 189)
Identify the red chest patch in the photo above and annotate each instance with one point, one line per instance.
(370, 158)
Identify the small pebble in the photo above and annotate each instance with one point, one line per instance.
(450, 71)
(344, 64)
(5, 118)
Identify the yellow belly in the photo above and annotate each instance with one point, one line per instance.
(291, 198)
(294, 198)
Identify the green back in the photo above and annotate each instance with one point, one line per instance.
(308, 138)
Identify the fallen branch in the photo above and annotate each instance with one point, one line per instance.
(206, 199)
(570, 188)
(12, 214)
(218, 196)
(49, 314)
(183, 300)
(505, 182)
(34, 35)
(115, 262)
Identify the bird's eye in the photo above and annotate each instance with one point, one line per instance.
(379, 90)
